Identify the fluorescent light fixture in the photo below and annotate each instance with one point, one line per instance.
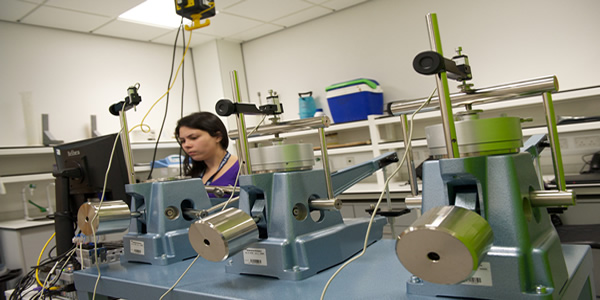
(159, 13)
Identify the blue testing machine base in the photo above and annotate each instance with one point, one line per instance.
(376, 275)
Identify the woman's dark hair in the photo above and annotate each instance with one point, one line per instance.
(204, 121)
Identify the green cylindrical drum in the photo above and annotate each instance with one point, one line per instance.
(502, 135)
(445, 245)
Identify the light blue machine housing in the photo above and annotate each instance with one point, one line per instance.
(159, 235)
(294, 245)
(288, 224)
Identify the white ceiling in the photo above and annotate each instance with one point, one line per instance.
(236, 20)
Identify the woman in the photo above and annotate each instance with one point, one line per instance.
(203, 138)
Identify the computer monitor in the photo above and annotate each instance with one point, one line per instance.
(80, 172)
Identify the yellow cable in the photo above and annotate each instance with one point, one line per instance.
(37, 270)
(141, 125)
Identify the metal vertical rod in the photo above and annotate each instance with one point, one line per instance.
(126, 146)
(443, 92)
(410, 163)
(388, 198)
(559, 174)
(325, 160)
(244, 151)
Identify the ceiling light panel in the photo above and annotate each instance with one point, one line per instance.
(154, 13)
(131, 30)
(108, 8)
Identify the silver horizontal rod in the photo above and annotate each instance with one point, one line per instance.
(514, 90)
(286, 126)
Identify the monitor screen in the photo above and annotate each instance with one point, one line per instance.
(80, 171)
(91, 158)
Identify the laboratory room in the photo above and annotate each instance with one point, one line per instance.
(299, 149)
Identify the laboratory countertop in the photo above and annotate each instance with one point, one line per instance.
(22, 224)
(377, 275)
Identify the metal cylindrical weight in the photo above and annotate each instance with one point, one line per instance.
(489, 136)
(113, 216)
(282, 158)
(223, 234)
(445, 245)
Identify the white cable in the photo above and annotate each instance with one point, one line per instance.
(240, 165)
(224, 206)
(70, 253)
(100, 206)
(407, 148)
(180, 277)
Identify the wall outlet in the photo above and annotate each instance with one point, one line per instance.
(590, 141)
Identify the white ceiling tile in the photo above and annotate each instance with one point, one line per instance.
(130, 30)
(303, 16)
(222, 4)
(267, 10)
(224, 25)
(107, 8)
(34, 1)
(65, 19)
(169, 38)
(341, 4)
(13, 10)
(315, 1)
(256, 32)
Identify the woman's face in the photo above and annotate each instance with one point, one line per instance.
(198, 144)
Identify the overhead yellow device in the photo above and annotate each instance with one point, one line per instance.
(195, 10)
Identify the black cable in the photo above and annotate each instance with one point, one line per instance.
(167, 101)
(50, 251)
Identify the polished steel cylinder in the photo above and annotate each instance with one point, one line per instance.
(445, 245)
(326, 204)
(547, 198)
(415, 202)
(287, 126)
(513, 90)
(282, 158)
(223, 234)
(112, 216)
(412, 171)
(242, 145)
(444, 99)
(220, 191)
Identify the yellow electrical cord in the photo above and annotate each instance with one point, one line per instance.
(142, 125)
(37, 270)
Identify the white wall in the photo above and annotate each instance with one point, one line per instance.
(71, 76)
(506, 41)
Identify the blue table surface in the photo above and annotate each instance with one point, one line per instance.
(376, 275)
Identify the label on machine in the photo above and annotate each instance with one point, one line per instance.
(255, 256)
(136, 247)
(481, 277)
